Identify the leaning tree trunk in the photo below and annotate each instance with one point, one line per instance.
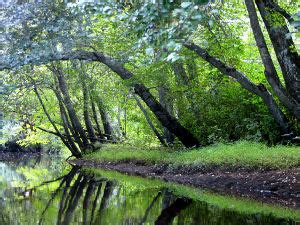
(153, 128)
(168, 105)
(284, 46)
(108, 130)
(259, 90)
(86, 115)
(69, 105)
(67, 142)
(270, 72)
(66, 126)
(66, 123)
(95, 117)
(167, 120)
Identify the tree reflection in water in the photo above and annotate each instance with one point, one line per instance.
(95, 194)
(86, 198)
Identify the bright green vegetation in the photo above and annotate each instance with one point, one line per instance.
(106, 196)
(156, 73)
(241, 205)
(175, 79)
(239, 154)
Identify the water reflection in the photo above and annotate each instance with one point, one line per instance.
(92, 196)
(86, 198)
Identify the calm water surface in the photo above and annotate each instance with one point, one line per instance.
(46, 190)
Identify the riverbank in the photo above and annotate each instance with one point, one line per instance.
(244, 169)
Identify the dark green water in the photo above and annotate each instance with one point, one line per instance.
(48, 191)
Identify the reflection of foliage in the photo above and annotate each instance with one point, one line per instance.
(100, 197)
(241, 205)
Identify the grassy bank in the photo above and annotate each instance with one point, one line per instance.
(240, 154)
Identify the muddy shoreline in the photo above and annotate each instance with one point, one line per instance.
(271, 186)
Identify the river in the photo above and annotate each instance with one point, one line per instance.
(47, 190)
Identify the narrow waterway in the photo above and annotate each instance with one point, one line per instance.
(44, 190)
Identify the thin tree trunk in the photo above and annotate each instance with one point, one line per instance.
(192, 69)
(284, 46)
(87, 120)
(95, 117)
(167, 120)
(180, 73)
(183, 79)
(270, 71)
(67, 142)
(69, 105)
(66, 126)
(259, 90)
(108, 130)
(158, 135)
(66, 123)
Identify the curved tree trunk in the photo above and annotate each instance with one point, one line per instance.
(167, 120)
(65, 119)
(66, 140)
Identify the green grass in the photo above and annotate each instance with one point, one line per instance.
(241, 205)
(240, 154)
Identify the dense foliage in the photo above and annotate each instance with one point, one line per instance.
(170, 72)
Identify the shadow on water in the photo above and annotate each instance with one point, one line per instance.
(86, 198)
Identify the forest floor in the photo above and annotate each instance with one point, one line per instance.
(243, 169)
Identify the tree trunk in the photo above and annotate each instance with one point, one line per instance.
(87, 120)
(284, 46)
(167, 120)
(180, 73)
(108, 130)
(270, 72)
(95, 117)
(183, 79)
(69, 127)
(159, 137)
(166, 102)
(69, 144)
(259, 90)
(69, 105)
(66, 125)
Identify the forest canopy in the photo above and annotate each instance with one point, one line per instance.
(169, 73)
